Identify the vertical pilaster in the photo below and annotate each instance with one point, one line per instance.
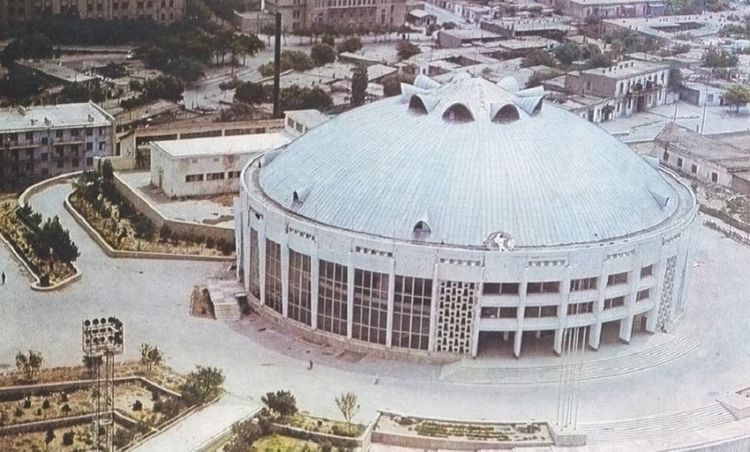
(284, 278)
(349, 298)
(262, 264)
(391, 294)
(595, 333)
(314, 287)
(518, 339)
(432, 346)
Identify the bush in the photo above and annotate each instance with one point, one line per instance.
(210, 242)
(165, 232)
(65, 409)
(122, 438)
(64, 397)
(45, 404)
(350, 44)
(326, 446)
(27, 403)
(68, 438)
(322, 54)
(137, 405)
(38, 411)
(265, 425)
(406, 50)
(18, 412)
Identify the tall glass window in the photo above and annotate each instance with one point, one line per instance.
(332, 289)
(254, 264)
(370, 306)
(411, 312)
(299, 287)
(273, 275)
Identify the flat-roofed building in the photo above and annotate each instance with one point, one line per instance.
(581, 9)
(41, 142)
(301, 14)
(163, 11)
(633, 86)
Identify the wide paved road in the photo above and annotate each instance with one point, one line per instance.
(151, 297)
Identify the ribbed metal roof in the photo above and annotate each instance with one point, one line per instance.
(546, 178)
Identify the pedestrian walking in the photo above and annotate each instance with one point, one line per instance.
(376, 380)
(311, 365)
(3, 278)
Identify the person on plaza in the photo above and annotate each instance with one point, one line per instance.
(376, 379)
(311, 365)
(3, 278)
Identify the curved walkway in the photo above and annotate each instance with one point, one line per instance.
(152, 299)
(474, 372)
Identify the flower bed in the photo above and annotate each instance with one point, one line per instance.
(321, 425)
(534, 432)
(97, 200)
(19, 233)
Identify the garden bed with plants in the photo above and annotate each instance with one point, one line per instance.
(32, 239)
(96, 198)
(520, 432)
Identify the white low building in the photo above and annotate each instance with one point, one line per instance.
(207, 166)
(211, 165)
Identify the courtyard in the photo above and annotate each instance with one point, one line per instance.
(152, 297)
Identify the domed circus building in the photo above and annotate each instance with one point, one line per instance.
(461, 214)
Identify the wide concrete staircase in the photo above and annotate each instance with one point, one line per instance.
(657, 426)
(493, 372)
(224, 294)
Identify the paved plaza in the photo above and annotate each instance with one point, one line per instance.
(152, 297)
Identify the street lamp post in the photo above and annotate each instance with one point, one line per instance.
(101, 340)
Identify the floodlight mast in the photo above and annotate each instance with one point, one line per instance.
(101, 340)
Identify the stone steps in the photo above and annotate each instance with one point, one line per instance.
(657, 426)
(469, 372)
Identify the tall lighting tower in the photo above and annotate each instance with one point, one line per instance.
(102, 339)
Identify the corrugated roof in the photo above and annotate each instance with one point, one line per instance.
(547, 179)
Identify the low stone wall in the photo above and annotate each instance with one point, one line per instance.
(39, 186)
(185, 228)
(21, 391)
(111, 252)
(40, 426)
(434, 443)
(340, 442)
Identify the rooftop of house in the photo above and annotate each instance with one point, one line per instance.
(53, 117)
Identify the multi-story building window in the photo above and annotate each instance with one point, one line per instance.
(581, 308)
(616, 302)
(299, 287)
(616, 279)
(370, 306)
(273, 276)
(583, 284)
(543, 287)
(411, 312)
(332, 292)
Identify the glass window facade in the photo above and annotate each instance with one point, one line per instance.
(370, 306)
(411, 312)
(299, 287)
(254, 264)
(273, 275)
(332, 288)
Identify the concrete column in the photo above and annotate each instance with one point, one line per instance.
(595, 332)
(432, 345)
(660, 268)
(626, 329)
(477, 314)
(518, 338)
(562, 313)
(558, 340)
(349, 298)
(391, 294)
(314, 288)
(284, 279)
(262, 264)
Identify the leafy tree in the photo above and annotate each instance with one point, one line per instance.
(244, 45)
(113, 70)
(20, 83)
(350, 44)
(675, 78)
(163, 87)
(322, 54)
(150, 356)
(719, 58)
(52, 236)
(250, 93)
(186, 69)
(49, 436)
(737, 96)
(302, 98)
(600, 60)
(29, 364)
(359, 85)
(567, 53)
(537, 57)
(280, 402)
(143, 228)
(108, 173)
(244, 434)
(68, 438)
(328, 40)
(81, 92)
(406, 50)
(34, 46)
(202, 385)
(349, 406)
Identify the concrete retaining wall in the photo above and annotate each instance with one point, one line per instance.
(22, 391)
(111, 252)
(185, 228)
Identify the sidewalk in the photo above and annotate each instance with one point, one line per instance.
(201, 427)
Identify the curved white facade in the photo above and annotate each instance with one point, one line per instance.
(417, 295)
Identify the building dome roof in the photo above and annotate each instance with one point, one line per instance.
(469, 163)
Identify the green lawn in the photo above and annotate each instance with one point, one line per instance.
(278, 443)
